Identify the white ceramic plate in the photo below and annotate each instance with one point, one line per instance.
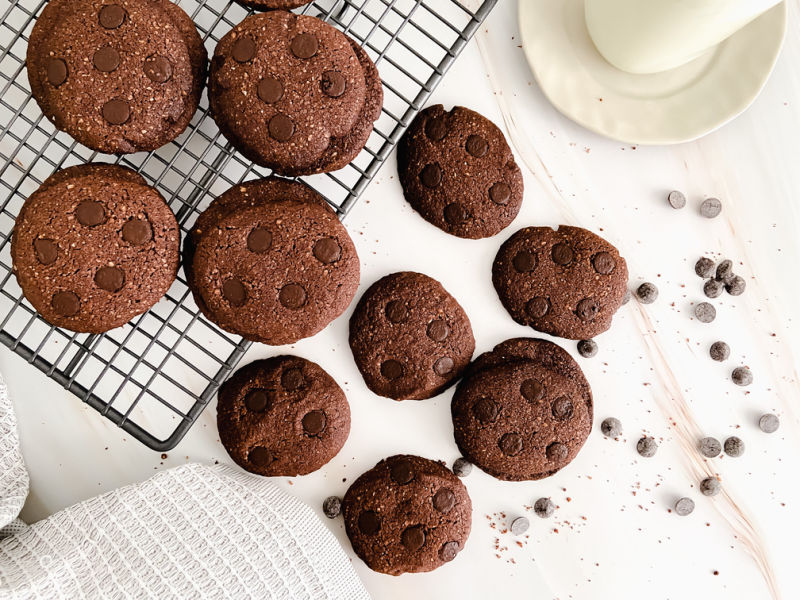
(664, 108)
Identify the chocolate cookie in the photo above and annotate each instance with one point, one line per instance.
(270, 261)
(410, 338)
(524, 410)
(283, 416)
(292, 93)
(93, 247)
(118, 77)
(458, 172)
(407, 515)
(567, 282)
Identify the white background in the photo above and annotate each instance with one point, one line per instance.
(612, 535)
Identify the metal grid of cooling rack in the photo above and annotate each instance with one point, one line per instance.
(154, 376)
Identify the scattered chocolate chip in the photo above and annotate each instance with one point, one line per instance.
(705, 312)
(647, 293)
(719, 351)
(90, 213)
(462, 467)
(713, 288)
(327, 250)
(431, 175)
(519, 525)
(292, 296)
(603, 263)
(401, 472)
(710, 486)
(537, 307)
(444, 500)
(710, 208)
(260, 456)
(684, 507)
(333, 84)
(455, 213)
(587, 348)
(66, 304)
(369, 522)
(116, 112)
(438, 330)
(234, 292)
(281, 128)
(676, 199)
(257, 400)
(709, 447)
(532, 390)
(270, 90)
(314, 422)
(734, 447)
(137, 232)
(305, 45)
(477, 146)
(46, 250)
(448, 551)
(56, 71)
(244, 49)
(704, 267)
(611, 427)
(512, 444)
(725, 270)
(544, 508)
(500, 193)
(742, 376)
(443, 366)
(332, 507)
(259, 240)
(158, 69)
(397, 312)
(647, 447)
(562, 408)
(486, 410)
(293, 379)
(587, 309)
(562, 254)
(736, 285)
(556, 451)
(106, 59)
(110, 279)
(769, 423)
(436, 128)
(524, 261)
(111, 16)
(413, 537)
(391, 369)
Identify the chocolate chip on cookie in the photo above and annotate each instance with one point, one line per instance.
(567, 282)
(282, 416)
(73, 258)
(410, 338)
(458, 172)
(407, 515)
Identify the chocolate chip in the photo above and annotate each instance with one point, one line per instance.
(544, 508)
(719, 351)
(705, 312)
(244, 49)
(443, 366)
(587, 348)
(259, 240)
(137, 232)
(736, 286)
(281, 128)
(436, 128)
(110, 279)
(270, 90)
(260, 456)
(519, 525)
(742, 376)
(332, 507)
(90, 213)
(725, 270)
(611, 427)
(556, 451)
(713, 288)
(676, 199)
(293, 379)
(46, 250)
(486, 410)
(709, 447)
(116, 111)
(401, 472)
(769, 423)
(647, 447)
(587, 309)
(106, 59)
(158, 69)
(704, 267)
(462, 467)
(431, 175)
(562, 254)
(292, 296)
(511, 444)
(647, 293)
(304, 45)
(257, 400)
(327, 250)
(111, 16)
(66, 304)
(455, 213)
(396, 311)
(537, 307)
(234, 292)
(314, 422)
(684, 507)
(444, 500)
(500, 193)
(562, 408)
(603, 263)
(710, 486)
(391, 369)
(734, 447)
(448, 551)
(413, 537)
(532, 390)
(369, 522)
(438, 330)
(524, 261)
(56, 71)
(710, 208)
(477, 146)
(333, 83)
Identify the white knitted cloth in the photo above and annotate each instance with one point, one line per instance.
(191, 532)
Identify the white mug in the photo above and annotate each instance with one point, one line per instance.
(649, 36)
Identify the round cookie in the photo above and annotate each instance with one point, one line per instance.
(407, 515)
(283, 416)
(93, 247)
(519, 420)
(458, 172)
(292, 93)
(119, 76)
(273, 271)
(410, 339)
(567, 282)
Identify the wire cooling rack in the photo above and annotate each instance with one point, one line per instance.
(154, 376)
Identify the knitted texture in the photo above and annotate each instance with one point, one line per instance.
(13, 476)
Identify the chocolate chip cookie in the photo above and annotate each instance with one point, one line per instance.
(523, 411)
(271, 262)
(121, 76)
(410, 338)
(458, 172)
(93, 247)
(407, 515)
(283, 416)
(567, 282)
(292, 93)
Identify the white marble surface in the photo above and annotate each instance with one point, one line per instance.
(613, 535)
